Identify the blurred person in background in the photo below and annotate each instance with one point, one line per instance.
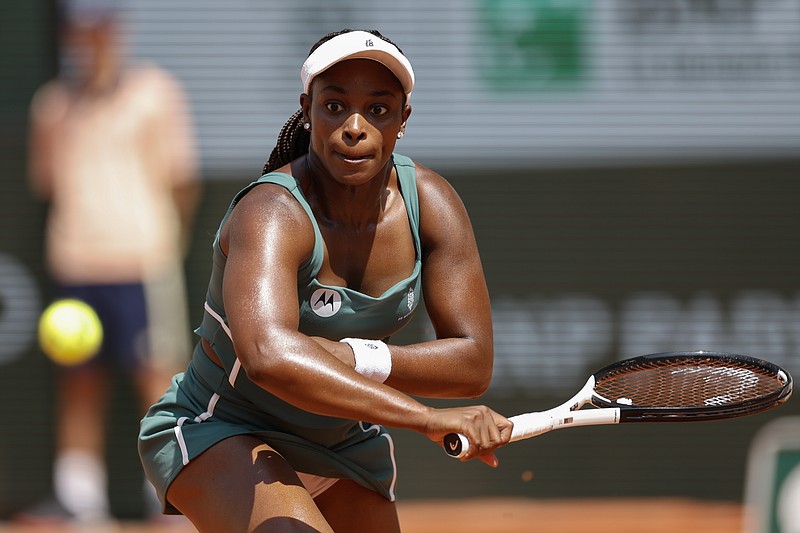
(111, 150)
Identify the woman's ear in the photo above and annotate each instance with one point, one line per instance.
(406, 114)
(305, 105)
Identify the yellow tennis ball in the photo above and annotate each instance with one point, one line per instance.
(70, 332)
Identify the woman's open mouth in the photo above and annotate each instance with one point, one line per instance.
(354, 159)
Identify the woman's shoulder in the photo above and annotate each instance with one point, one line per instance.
(431, 184)
(270, 192)
(264, 205)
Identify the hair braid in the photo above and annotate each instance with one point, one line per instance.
(293, 140)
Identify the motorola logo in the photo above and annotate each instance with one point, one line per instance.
(326, 302)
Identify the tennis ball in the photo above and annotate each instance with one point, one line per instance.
(70, 332)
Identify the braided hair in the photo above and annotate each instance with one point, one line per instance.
(293, 140)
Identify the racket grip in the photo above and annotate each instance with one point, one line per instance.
(525, 426)
(455, 445)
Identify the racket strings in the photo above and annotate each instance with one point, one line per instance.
(687, 383)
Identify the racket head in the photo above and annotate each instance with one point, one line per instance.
(690, 386)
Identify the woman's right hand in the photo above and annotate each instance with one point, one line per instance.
(485, 429)
(340, 350)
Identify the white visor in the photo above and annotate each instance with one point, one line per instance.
(358, 45)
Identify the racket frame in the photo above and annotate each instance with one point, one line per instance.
(633, 413)
(570, 414)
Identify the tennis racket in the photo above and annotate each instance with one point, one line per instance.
(663, 387)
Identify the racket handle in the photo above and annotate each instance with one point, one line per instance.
(455, 444)
(525, 426)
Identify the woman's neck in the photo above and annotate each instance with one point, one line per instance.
(345, 205)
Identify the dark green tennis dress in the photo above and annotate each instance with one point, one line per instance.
(206, 404)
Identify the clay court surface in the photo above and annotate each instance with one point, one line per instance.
(517, 516)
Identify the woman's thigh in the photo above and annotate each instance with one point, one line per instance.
(241, 484)
(350, 507)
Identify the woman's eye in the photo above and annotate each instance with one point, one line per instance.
(379, 110)
(334, 107)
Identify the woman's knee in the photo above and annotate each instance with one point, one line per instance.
(348, 506)
(244, 485)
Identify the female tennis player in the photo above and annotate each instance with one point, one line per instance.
(278, 422)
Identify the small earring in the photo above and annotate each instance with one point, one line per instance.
(399, 134)
(306, 126)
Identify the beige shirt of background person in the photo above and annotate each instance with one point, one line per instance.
(109, 164)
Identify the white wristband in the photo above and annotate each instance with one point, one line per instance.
(373, 359)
